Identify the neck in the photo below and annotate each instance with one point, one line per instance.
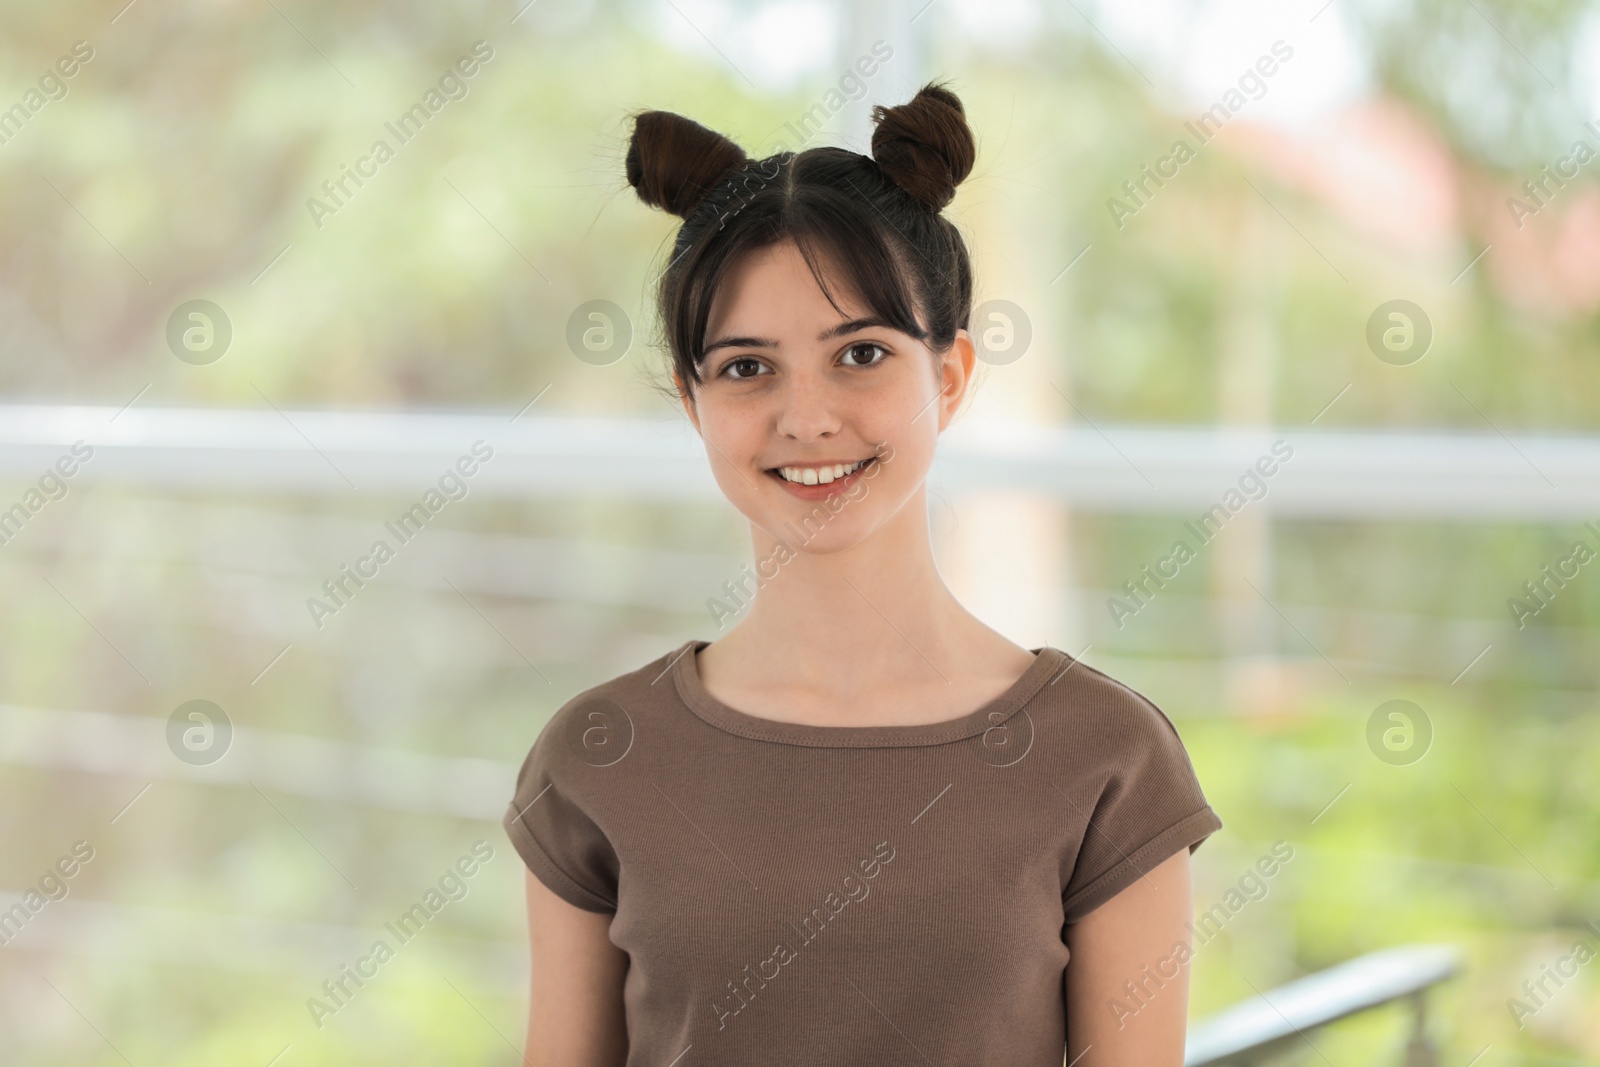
(879, 607)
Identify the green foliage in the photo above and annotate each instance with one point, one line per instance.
(180, 166)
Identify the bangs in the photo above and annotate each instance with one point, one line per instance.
(910, 271)
(864, 265)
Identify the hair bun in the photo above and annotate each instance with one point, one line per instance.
(925, 146)
(674, 162)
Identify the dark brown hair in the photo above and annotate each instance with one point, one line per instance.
(875, 219)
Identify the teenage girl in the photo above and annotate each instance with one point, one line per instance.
(860, 827)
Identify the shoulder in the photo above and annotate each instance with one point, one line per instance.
(572, 802)
(597, 726)
(1093, 714)
(1128, 783)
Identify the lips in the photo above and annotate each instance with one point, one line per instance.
(818, 474)
(813, 481)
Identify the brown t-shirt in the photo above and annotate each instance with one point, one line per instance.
(793, 894)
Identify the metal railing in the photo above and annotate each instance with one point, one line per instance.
(1115, 469)
(1254, 1030)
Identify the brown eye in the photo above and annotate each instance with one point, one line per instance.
(860, 354)
(744, 367)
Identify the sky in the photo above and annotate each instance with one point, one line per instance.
(1192, 51)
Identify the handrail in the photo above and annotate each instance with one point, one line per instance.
(318, 768)
(1257, 1028)
(1108, 468)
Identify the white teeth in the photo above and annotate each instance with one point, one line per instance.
(819, 475)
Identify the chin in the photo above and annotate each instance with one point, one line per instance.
(827, 542)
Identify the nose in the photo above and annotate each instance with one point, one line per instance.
(809, 409)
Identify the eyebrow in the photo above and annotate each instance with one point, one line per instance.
(829, 334)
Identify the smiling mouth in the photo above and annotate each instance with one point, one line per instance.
(819, 475)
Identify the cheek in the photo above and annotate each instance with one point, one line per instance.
(733, 437)
(907, 467)
(736, 483)
(910, 426)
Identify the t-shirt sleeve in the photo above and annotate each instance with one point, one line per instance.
(1150, 806)
(547, 823)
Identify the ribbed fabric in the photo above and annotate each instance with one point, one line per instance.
(792, 894)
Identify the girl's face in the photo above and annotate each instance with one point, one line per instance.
(820, 427)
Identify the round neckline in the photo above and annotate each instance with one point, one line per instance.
(693, 693)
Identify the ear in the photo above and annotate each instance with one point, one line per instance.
(955, 373)
(687, 400)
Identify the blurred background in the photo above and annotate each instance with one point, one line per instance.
(274, 276)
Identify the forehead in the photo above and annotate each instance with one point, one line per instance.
(772, 291)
